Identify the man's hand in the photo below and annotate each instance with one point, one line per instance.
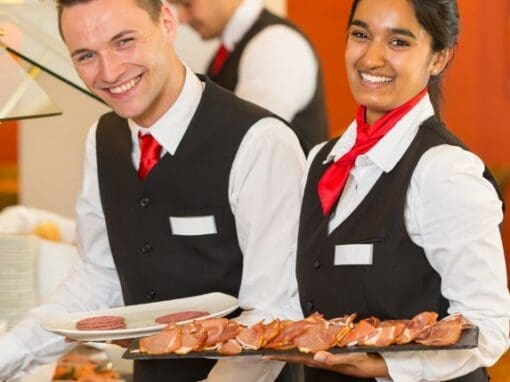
(361, 365)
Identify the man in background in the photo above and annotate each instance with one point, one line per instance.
(187, 190)
(262, 58)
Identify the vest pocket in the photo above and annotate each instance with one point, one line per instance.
(353, 254)
(193, 225)
(199, 222)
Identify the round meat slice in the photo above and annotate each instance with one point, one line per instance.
(180, 316)
(101, 323)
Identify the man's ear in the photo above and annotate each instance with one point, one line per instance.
(440, 61)
(169, 22)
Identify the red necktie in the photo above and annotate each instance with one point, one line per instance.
(332, 182)
(150, 154)
(218, 62)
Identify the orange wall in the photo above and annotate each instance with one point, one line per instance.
(8, 143)
(477, 86)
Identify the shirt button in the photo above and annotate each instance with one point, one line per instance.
(316, 263)
(144, 202)
(146, 248)
(150, 295)
(309, 307)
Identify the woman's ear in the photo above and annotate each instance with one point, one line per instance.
(440, 60)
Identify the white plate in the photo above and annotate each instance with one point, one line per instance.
(140, 318)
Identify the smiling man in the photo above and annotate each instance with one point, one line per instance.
(187, 189)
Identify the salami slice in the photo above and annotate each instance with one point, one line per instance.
(180, 316)
(101, 323)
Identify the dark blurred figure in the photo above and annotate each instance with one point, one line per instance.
(264, 59)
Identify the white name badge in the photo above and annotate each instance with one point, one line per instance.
(193, 225)
(354, 254)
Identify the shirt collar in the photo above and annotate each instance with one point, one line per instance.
(243, 19)
(171, 127)
(388, 151)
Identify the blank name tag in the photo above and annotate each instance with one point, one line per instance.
(354, 254)
(193, 225)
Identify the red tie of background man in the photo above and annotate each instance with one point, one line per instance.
(219, 60)
(332, 182)
(150, 154)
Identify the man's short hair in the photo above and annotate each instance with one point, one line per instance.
(152, 7)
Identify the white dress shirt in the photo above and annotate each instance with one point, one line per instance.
(265, 175)
(453, 213)
(278, 68)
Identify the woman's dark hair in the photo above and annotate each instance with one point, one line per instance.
(440, 18)
(153, 8)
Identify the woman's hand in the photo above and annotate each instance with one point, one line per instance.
(361, 365)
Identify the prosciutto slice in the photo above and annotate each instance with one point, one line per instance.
(251, 337)
(385, 334)
(415, 326)
(288, 331)
(230, 347)
(443, 333)
(361, 330)
(193, 338)
(165, 342)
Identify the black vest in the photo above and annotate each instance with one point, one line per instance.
(310, 123)
(154, 264)
(400, 283)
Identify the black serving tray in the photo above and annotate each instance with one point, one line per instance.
(468, 339)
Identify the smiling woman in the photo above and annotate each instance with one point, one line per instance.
(398, 207)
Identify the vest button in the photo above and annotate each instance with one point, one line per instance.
(150, 295)
(144, 202)
(309, 307)
(316, 264)
(146, 248)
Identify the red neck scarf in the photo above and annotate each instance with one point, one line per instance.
(332, 182)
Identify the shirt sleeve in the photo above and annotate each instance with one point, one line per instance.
(278, 70)
(265, 197)
(454, 214)
(91, 284)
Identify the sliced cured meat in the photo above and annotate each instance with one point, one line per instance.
(288, 331)
(251, 337)
(443, 333)
(415, 326)
(101, 323)
(214, 327)
(193, 338)
(219, 330)
(230, 347)
(165, 342)
(180, 316)
(385, 334)
(360, 330)
(271, 330)
(317, 337)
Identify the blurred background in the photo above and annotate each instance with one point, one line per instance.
(41, 159)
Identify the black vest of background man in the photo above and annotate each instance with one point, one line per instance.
(152, 263)
(400, 283)
(310, 123)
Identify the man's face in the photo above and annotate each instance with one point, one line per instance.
(206, 17)
(122, 55)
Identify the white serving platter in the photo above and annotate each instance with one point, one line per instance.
(140, 318)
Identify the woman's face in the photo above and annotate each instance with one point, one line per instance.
(389, 56)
